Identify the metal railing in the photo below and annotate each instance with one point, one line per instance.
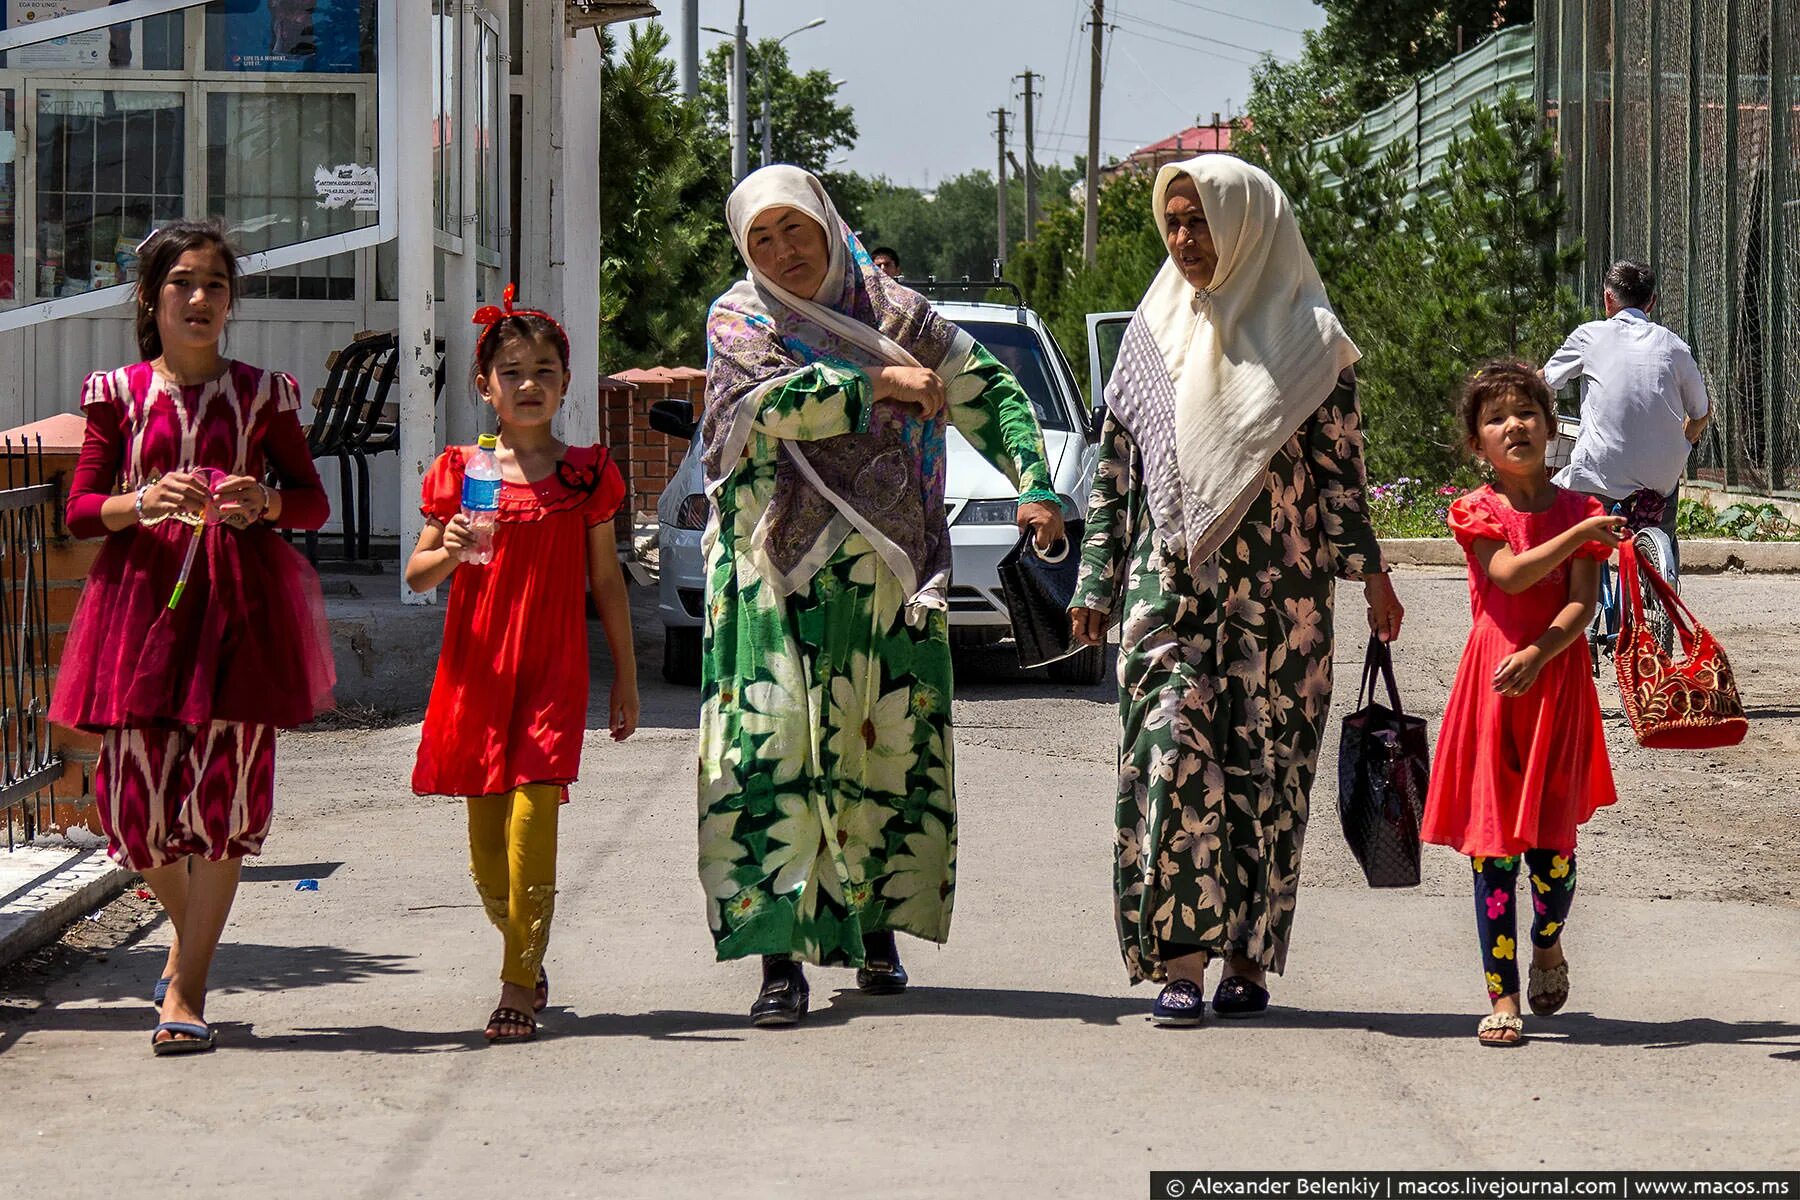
(29, 762)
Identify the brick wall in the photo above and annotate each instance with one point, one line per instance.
(648, 458)
(67, 561)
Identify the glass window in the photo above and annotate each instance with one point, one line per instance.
(9, 152)
(446, 163)
(515, 36)
(153, 44)
(264, 151)
(487, 138)
(109, 167)
(270, 126)
(299, 36)
(1020, 352)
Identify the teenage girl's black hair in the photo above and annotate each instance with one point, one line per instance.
(157, 256)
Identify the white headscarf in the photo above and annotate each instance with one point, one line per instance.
(1243, 362)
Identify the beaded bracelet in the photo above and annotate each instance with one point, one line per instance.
(139, 506)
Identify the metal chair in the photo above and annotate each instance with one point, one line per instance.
(353, 421)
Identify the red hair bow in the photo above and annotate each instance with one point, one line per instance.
(490, 316)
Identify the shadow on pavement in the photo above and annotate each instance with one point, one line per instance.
(239, 968)
(1572, 1028)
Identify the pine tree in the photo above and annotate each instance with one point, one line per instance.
(665, 248)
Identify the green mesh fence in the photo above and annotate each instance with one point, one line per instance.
(1677, 122)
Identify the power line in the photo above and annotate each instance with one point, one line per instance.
(1161, 40)
(1236, 16)
(1185, 33)
(1067, 78)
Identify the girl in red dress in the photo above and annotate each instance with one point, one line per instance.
(509, 706)
(187, 684)
(1521, 758)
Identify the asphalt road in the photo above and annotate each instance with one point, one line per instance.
(1020, 1064)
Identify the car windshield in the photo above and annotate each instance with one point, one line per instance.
(1017, 346)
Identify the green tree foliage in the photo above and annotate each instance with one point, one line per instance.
(809, 126)
(1368, 52)
(1482, 276)
(1428, 286)
(665, 251)
(952, 230)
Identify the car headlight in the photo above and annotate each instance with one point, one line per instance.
(692, 512)
(1006, 512)
(989, 512)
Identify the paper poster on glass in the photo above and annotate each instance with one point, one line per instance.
(75, 50)
(303, 36)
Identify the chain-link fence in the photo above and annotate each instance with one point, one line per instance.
(1677, 124)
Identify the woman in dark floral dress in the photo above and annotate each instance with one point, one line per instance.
(1229, 497)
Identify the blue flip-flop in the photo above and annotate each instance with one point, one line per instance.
(160, 992)
(199, 1038)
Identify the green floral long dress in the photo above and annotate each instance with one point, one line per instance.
(1224, 686)
(827, 804)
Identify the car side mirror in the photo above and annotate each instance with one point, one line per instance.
(1097, 420)
(674, 418)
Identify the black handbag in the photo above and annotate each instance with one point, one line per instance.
(1384, 767)
(1037, 591)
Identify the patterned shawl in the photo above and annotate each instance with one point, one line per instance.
(886, 483)
(1212, 383)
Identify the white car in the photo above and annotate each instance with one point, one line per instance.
(981, 501)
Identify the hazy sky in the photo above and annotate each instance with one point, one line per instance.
(924, 76)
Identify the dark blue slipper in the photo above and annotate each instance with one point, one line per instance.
(1237, 997)
(199, 1038)
(1180, 1003)
(160, 992)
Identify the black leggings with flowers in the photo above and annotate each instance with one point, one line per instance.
(1552, 888)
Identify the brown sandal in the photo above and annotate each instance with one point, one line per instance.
(510, 1016)
(540, 1000)
(1548, 989)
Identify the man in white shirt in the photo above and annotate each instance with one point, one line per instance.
(1644, 404)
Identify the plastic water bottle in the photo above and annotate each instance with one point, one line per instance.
(481, 498)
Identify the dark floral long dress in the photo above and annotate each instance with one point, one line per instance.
(1224, 686)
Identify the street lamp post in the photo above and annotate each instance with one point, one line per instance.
(768, 130)
(740, 106)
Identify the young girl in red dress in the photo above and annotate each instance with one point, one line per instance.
(187, 683)
(1521, 758)
(509, 706)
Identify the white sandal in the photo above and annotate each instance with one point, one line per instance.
(1496, 1022)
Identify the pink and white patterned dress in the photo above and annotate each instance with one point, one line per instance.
(187, 699)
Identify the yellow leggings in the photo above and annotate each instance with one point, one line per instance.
(512, 855)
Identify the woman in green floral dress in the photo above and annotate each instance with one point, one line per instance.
(1229, 494)
(827, 808)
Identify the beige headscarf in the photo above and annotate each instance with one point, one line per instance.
(1237, 367)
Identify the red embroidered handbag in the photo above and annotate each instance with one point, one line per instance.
(1686, 704)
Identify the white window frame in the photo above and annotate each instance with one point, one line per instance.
(387, 146)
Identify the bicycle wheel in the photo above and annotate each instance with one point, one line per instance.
(1653, 550)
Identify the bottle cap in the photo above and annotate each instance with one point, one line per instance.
(487, 441)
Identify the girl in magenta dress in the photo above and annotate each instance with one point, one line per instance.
(1521, 758)
(509, 706)
(187, 686)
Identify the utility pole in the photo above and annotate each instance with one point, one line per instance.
(768, 130)
(690, 48)
(1000, 251)
(1090, 226)
(1031, 182)
(740, 103)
